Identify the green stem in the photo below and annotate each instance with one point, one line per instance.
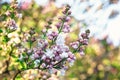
(59, 31)
(76, 49)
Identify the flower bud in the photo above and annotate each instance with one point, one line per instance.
(84, 36)
(69, 12)
(66, 28)
(47, 60)
(74, 45)
(58, 25)
(36, 56)
(67, 19)
(82, 53)
(85, 42)
(44, 31)
(43, 65)
(87, 31)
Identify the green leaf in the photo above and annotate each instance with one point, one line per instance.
(5, 78)
(116, 65)
(24, 54)
(17, 60)
(1, 30)
(6, 39)
(18, 77)
(72, 75)
(31, 65)
(0, 48)
(13, 56)
(4, 7)
(12, 15)
(23, 65)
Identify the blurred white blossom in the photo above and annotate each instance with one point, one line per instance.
(42, 2)
(60, 39)
(49, 53)
(101, 17)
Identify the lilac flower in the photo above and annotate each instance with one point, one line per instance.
(11, 24)
(71, 55)
(43, 57)
(64, 55)
(74, 45)
(62, 72)
(85, 42)
(57, 58)
(84, 35)
(29, 52)
(67, 18)
(44, 31)
(60, 39)
(39, 52)
(32, 57)
(71, 58)
(71, 62)
(42, 43)
(82, 53)
(47, 60)
(36, 56)
(36, 62)
(43, 65)
(66, 28)
(52, 34)
(49, 53)
(58, 25)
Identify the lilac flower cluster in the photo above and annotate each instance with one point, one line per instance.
(51, 52)
(10, 13)
(52, 34)
(81, 42)
(47, 51)
(11, 25)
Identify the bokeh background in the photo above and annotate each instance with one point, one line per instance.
(102, 17)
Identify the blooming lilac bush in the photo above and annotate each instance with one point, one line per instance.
(47, 52)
